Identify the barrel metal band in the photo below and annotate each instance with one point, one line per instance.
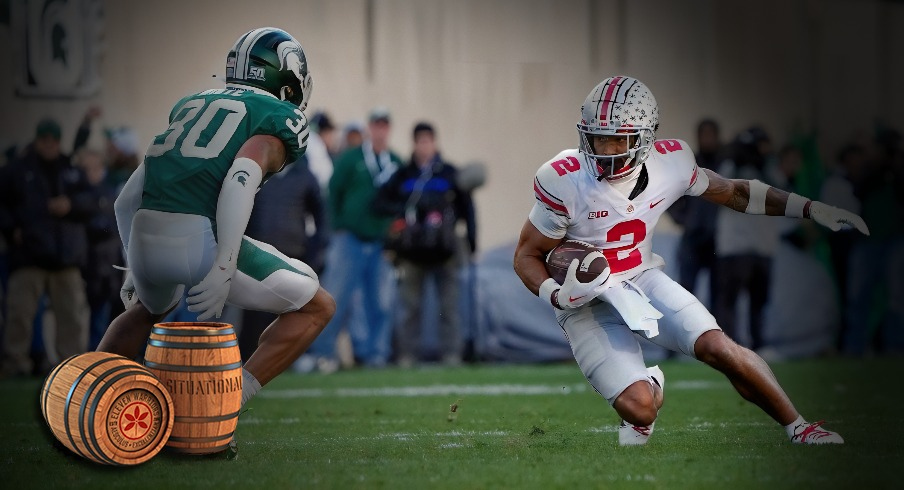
(185, 332)
(49, 383)
(192, 345)
(201, 420)
(202, 439)
(193, 369)
(69, 399)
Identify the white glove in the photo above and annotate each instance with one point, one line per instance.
(127, 292)
(574, 293)
(835, 218)
(634, 307)
(209, 295)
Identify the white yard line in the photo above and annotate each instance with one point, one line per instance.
(450, 389)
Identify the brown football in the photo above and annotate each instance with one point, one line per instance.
(592, 261)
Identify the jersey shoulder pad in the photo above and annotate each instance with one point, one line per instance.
(179, 105)
(552, 185)
(673, 149)
(678, 160)
(280, 119)
(676, 154)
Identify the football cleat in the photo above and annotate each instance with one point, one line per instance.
(634, 435)
(637, 435)
(810, 433)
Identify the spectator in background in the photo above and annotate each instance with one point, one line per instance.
(122, 155)
(352, 136)
(839, 190)
(355, 257)
(318, 155)
(875, 312)
(102, 281)
(323, 126)
(290, 215)
(426, 201)
(744, 244)
(46, 203)
(697, 249)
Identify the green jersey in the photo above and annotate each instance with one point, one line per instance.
(186, 164)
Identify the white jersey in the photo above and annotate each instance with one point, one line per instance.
(572, 204)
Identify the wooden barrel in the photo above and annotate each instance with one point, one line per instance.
(200, 365)
(107, 408)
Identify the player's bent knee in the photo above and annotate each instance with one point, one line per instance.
(322, 306)
(637, 404)
(716, 349)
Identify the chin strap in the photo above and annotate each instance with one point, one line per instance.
(642, 180)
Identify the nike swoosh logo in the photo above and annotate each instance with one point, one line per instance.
(573, 299)
(654, 204)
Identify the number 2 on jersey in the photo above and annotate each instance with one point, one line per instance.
(617, 263)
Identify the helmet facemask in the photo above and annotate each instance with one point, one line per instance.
(615, 166)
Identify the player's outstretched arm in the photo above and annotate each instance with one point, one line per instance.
(755, 197)
(259, 155)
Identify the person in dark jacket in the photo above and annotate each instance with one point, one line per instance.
(46, 203)
(427, 203)
(289, 214)
(104, 248)
(355, 262)
(697, 249)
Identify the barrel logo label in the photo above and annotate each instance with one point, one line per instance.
(134, 420)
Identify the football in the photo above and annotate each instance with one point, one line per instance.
(592, 261)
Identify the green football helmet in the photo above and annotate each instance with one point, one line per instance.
(271, 60)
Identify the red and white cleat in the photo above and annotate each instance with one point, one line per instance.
(634, 435)
(810, 433)
(637, 435)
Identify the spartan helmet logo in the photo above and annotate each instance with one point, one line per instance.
(291, 58)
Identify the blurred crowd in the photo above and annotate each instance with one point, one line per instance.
(379, 228)
(733, 256)
(393, 238)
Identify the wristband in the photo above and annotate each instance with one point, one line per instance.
(549, 292)
(797, 206)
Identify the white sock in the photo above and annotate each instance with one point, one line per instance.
(789, 429)
(250, 386)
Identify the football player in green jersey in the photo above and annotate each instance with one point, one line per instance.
(182, 215)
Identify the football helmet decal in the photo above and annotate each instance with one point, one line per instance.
(619, 106)
(272, 60)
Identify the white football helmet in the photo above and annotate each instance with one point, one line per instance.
(618, 106)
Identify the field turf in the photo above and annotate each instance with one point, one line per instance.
(515, 427)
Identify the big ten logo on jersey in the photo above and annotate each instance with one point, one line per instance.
(667, 146)
(56, 47)
(567, 165)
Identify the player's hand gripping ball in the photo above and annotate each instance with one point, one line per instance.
(592, 261)
(580, 269)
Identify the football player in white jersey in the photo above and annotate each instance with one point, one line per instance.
(610, 192)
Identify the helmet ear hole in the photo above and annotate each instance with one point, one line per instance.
(286, 93)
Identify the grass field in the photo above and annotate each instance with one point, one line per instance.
(515, 427)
